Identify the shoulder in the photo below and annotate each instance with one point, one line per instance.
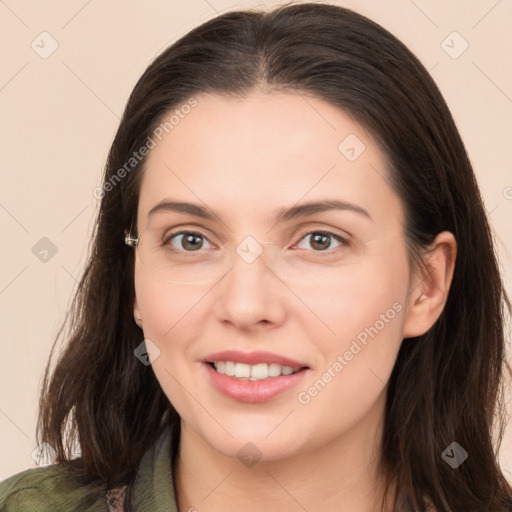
(47, 489)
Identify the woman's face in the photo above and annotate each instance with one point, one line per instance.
(340, 316)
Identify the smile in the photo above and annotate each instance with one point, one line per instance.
(253, 372)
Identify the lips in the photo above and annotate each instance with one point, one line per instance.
(253, 358)
(254, 390)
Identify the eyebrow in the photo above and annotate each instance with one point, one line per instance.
(282, 215)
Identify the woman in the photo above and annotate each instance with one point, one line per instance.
(290, 222)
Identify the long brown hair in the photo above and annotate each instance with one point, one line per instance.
(446, 386)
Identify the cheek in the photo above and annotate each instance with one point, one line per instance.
(166, 308)
(366, 296)
(169, 321)
(356, 361)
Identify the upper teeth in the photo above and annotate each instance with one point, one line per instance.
(253, 372)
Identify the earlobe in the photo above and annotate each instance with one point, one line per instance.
(428, 295)
(136, 313)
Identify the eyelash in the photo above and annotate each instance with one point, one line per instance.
(344, 242)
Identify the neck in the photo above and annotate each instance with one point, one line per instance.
(339, 475)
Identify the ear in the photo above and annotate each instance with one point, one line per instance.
(428, 291)
(136, 313)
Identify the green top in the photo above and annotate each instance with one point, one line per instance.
(52, 489)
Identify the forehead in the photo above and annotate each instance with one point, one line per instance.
(246, 157)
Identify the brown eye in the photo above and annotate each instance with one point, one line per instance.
(320, 241)
(189, 242)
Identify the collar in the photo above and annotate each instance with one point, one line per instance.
(154, 488)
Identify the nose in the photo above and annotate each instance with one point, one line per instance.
(250, 294)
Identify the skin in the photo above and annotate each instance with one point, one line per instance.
(245, 158)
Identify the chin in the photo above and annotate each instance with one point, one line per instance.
(259, 444)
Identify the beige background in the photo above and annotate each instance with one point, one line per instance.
(59, 115)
